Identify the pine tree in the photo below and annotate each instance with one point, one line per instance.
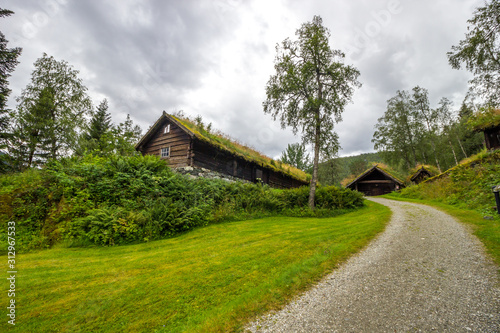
(97, 136)
(8, 62)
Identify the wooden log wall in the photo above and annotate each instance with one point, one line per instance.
(209, 157)
(178, 141)
(188, 151)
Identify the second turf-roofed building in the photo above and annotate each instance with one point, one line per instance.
(182, 143)
(375, 181)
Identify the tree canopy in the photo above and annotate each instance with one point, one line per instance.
(296, 154)
(50, 110)
(310, 89)
(411, 132)
(480, 52)
(8, 62)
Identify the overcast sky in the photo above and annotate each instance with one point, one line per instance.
(213, 58)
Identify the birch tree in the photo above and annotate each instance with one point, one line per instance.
(310, 90)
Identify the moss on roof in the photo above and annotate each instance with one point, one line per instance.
(485, 118)
(390, 171)
(224, 142)
(430, 168)
(470, 161)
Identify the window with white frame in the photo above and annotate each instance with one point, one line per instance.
(167, 129)
(165, 152)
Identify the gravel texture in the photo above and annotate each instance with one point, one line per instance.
(425, 273)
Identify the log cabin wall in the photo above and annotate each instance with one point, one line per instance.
(492, 137)
(209, 157)
(178, 141)
(186, 149)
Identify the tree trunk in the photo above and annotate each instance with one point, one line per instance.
(30, 157)
(461, 147)
(312, 188)
(424, 157)
(435, 155)
(453, 150)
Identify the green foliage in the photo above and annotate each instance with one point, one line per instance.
(466, 186)
(97, 135)
(126, 134)
(295, 154)
(480, 52)
(485, 118)
(412, 133)
(103, 138)
(8, 62)
(49, 113)
(118, 200)
(304, 92)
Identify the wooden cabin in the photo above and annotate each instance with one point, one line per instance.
(492, 137)
(375, 181)
(181, 143)
(421, 175)
(488, 122)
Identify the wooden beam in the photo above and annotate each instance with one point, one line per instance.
(376, 182)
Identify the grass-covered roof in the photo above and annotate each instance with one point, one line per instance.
(224, 142)
(470, 161)
(485, 118)
(381, 167)
(433, 171)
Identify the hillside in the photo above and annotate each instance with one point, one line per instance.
(467, 185)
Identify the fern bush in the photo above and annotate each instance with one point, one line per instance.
(120, 200)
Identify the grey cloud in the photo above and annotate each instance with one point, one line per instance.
(156, 55)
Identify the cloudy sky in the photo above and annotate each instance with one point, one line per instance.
(213, 57)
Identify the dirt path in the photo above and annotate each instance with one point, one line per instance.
(425, 273)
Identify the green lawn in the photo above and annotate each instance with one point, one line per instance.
(213, 279)
(488, 231)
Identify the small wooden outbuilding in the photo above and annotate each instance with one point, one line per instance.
(421, 175)
(488, 122)
(492, 137)
(182, 143)
(375, 181)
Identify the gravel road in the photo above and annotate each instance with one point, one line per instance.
(425, 273)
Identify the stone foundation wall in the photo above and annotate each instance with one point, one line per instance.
(194, 173)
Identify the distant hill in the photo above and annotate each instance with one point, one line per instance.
(332, 172)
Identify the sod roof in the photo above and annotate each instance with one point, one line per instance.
(484, 119)
(432, 170)
(225, 143)
(380, 167)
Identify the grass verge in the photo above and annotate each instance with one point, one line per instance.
(488, 231)
(213, 279)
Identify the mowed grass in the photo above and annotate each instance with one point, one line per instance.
(487, 230)
(213, 279)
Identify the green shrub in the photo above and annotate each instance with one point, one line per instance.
(119, 200)
(108, 226)
(467, 185)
